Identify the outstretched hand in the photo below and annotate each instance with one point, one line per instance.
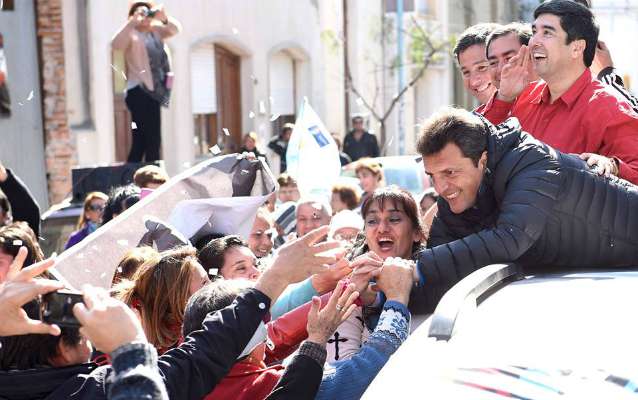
(322, 324)
(297, 260)
(20, 288)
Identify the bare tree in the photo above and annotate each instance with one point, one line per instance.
(423, 49)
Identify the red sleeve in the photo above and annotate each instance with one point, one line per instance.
(620, 140)
(495, 110)
(288, 331)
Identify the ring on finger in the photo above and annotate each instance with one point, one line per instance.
(339, 307)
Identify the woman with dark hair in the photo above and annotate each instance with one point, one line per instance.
(120, 199)
(12, 237)
(90, 219)
(159, 291)
(392, 224)
(344, 197)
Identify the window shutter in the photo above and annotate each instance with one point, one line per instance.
(203, 89)
(282, 88)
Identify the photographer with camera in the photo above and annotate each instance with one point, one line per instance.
(149, 78)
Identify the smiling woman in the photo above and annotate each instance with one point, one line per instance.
(392, 224)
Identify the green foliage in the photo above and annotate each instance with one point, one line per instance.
(330, 39)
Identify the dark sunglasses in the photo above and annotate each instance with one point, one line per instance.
(95, 207)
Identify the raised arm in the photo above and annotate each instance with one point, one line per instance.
(349, 379)
(23, 205)
(169, 26)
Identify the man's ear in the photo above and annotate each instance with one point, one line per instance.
(578, 48)
(483, 160)
(63, 355)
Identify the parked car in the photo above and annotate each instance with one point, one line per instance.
(404, 171)
(57, 225)
(499, 333)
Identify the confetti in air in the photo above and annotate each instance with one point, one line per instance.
(133, 125)
(274, 117)
(123, 75)
(235, 31)
(215, 150)
(359, 101)
(30, 96)
(262, 107)
(251, 115)
(226, 131)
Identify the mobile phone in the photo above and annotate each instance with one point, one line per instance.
(57, 308)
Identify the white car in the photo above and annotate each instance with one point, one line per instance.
(499, 334)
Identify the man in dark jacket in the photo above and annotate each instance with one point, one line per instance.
(279, 144)
(358, 143)
(507, 197)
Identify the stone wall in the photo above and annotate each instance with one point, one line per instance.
(60, 149)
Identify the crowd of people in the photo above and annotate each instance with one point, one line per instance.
(314, 301)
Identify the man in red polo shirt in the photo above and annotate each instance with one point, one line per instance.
(568, 108)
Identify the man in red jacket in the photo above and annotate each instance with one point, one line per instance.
(568, 108)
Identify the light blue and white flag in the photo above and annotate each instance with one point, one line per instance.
(312, 157)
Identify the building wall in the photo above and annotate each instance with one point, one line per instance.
(252, 29)
(60, 151)
(21, 139)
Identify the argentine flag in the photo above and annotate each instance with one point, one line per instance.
(312, 157)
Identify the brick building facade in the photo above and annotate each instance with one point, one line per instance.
(60, 148)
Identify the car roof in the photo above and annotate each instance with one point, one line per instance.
(547, 322)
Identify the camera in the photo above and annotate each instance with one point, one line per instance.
(57, 308)
(150, 13)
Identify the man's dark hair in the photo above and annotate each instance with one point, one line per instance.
(120, 199)
(138, 4)
(577, 21)
(213, 254)
(30, 351)
(453, 125)
(212, 297)
(586, 3)
(201, 242)
(287, 127)
(522, 31)
(475, 34)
